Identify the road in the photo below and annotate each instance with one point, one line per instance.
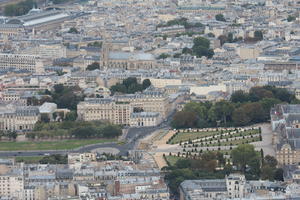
(132, 138)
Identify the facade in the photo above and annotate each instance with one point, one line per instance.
(232, 187)
(18, 118)
(126, 60)
(141, 119)
(118, 109)
(285, 121)
(11, 186)
(29, 63)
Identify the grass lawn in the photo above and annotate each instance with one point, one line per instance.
(28, 159)
(184, 137)
(49, 145)
(172, 160)
(191, 135)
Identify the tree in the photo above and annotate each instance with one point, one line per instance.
(258, 93)
(93, 66)
(270, 160)
(220, 17)
(223, 39)
(183, 163)
(45, 118)
(129, 86)
(201, 47)
(73, 30)
(198, 108)
(54, 159)
(186, 50)
(20, 8)
(12, 135)
(243, 155)
(184, 119)
(163, 56)
(291, 18)
(83, 132)
(258, 35)
(267, 173)
(95, 44)
(278, 174)
(71, 116)
(111, 131)
(201, 41)
(59, 88)
(146, 83)
(239, 97)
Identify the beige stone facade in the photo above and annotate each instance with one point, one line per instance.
(30, 63)
(118, 109)
(19, 118)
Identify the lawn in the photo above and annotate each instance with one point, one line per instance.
(28, 159)
(186, 136)
(191, 135)
(172, 159)
(50, 145)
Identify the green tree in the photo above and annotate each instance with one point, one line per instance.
(95, 44)
(93, 66)
(184, 119)
(83, 132)
(267, 173)
(270, 160)
(258, 35)
(59, 88)
(291, 18)
(163, 56)
(146, 83)
(243, 155)
(73, 30)
(54, 159)
(111, 131)
(45, 118)
(239, 97)
(186, 50)
(20, 8)
(278, 174)
(71, 116)
(201, 47)
(201, 41)
(220, 17)
(198, 108)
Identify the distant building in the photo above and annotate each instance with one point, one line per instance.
(119, 109)
(285, 121)
(141, 119)
(29, 63)
(126, 60)
(18, 118)
(232, 187)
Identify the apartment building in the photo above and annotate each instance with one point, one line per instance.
(232, 187)
(118, 109)
(18, 118)
(285, 121)
(11, 185)
(29, 63)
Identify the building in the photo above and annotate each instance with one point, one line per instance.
(29, 63)
(40, 20)
(11, 185)
(285, 121)
(126, 60)
(141, 119)
(18, 118)
(118, 109)
(233, 186)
